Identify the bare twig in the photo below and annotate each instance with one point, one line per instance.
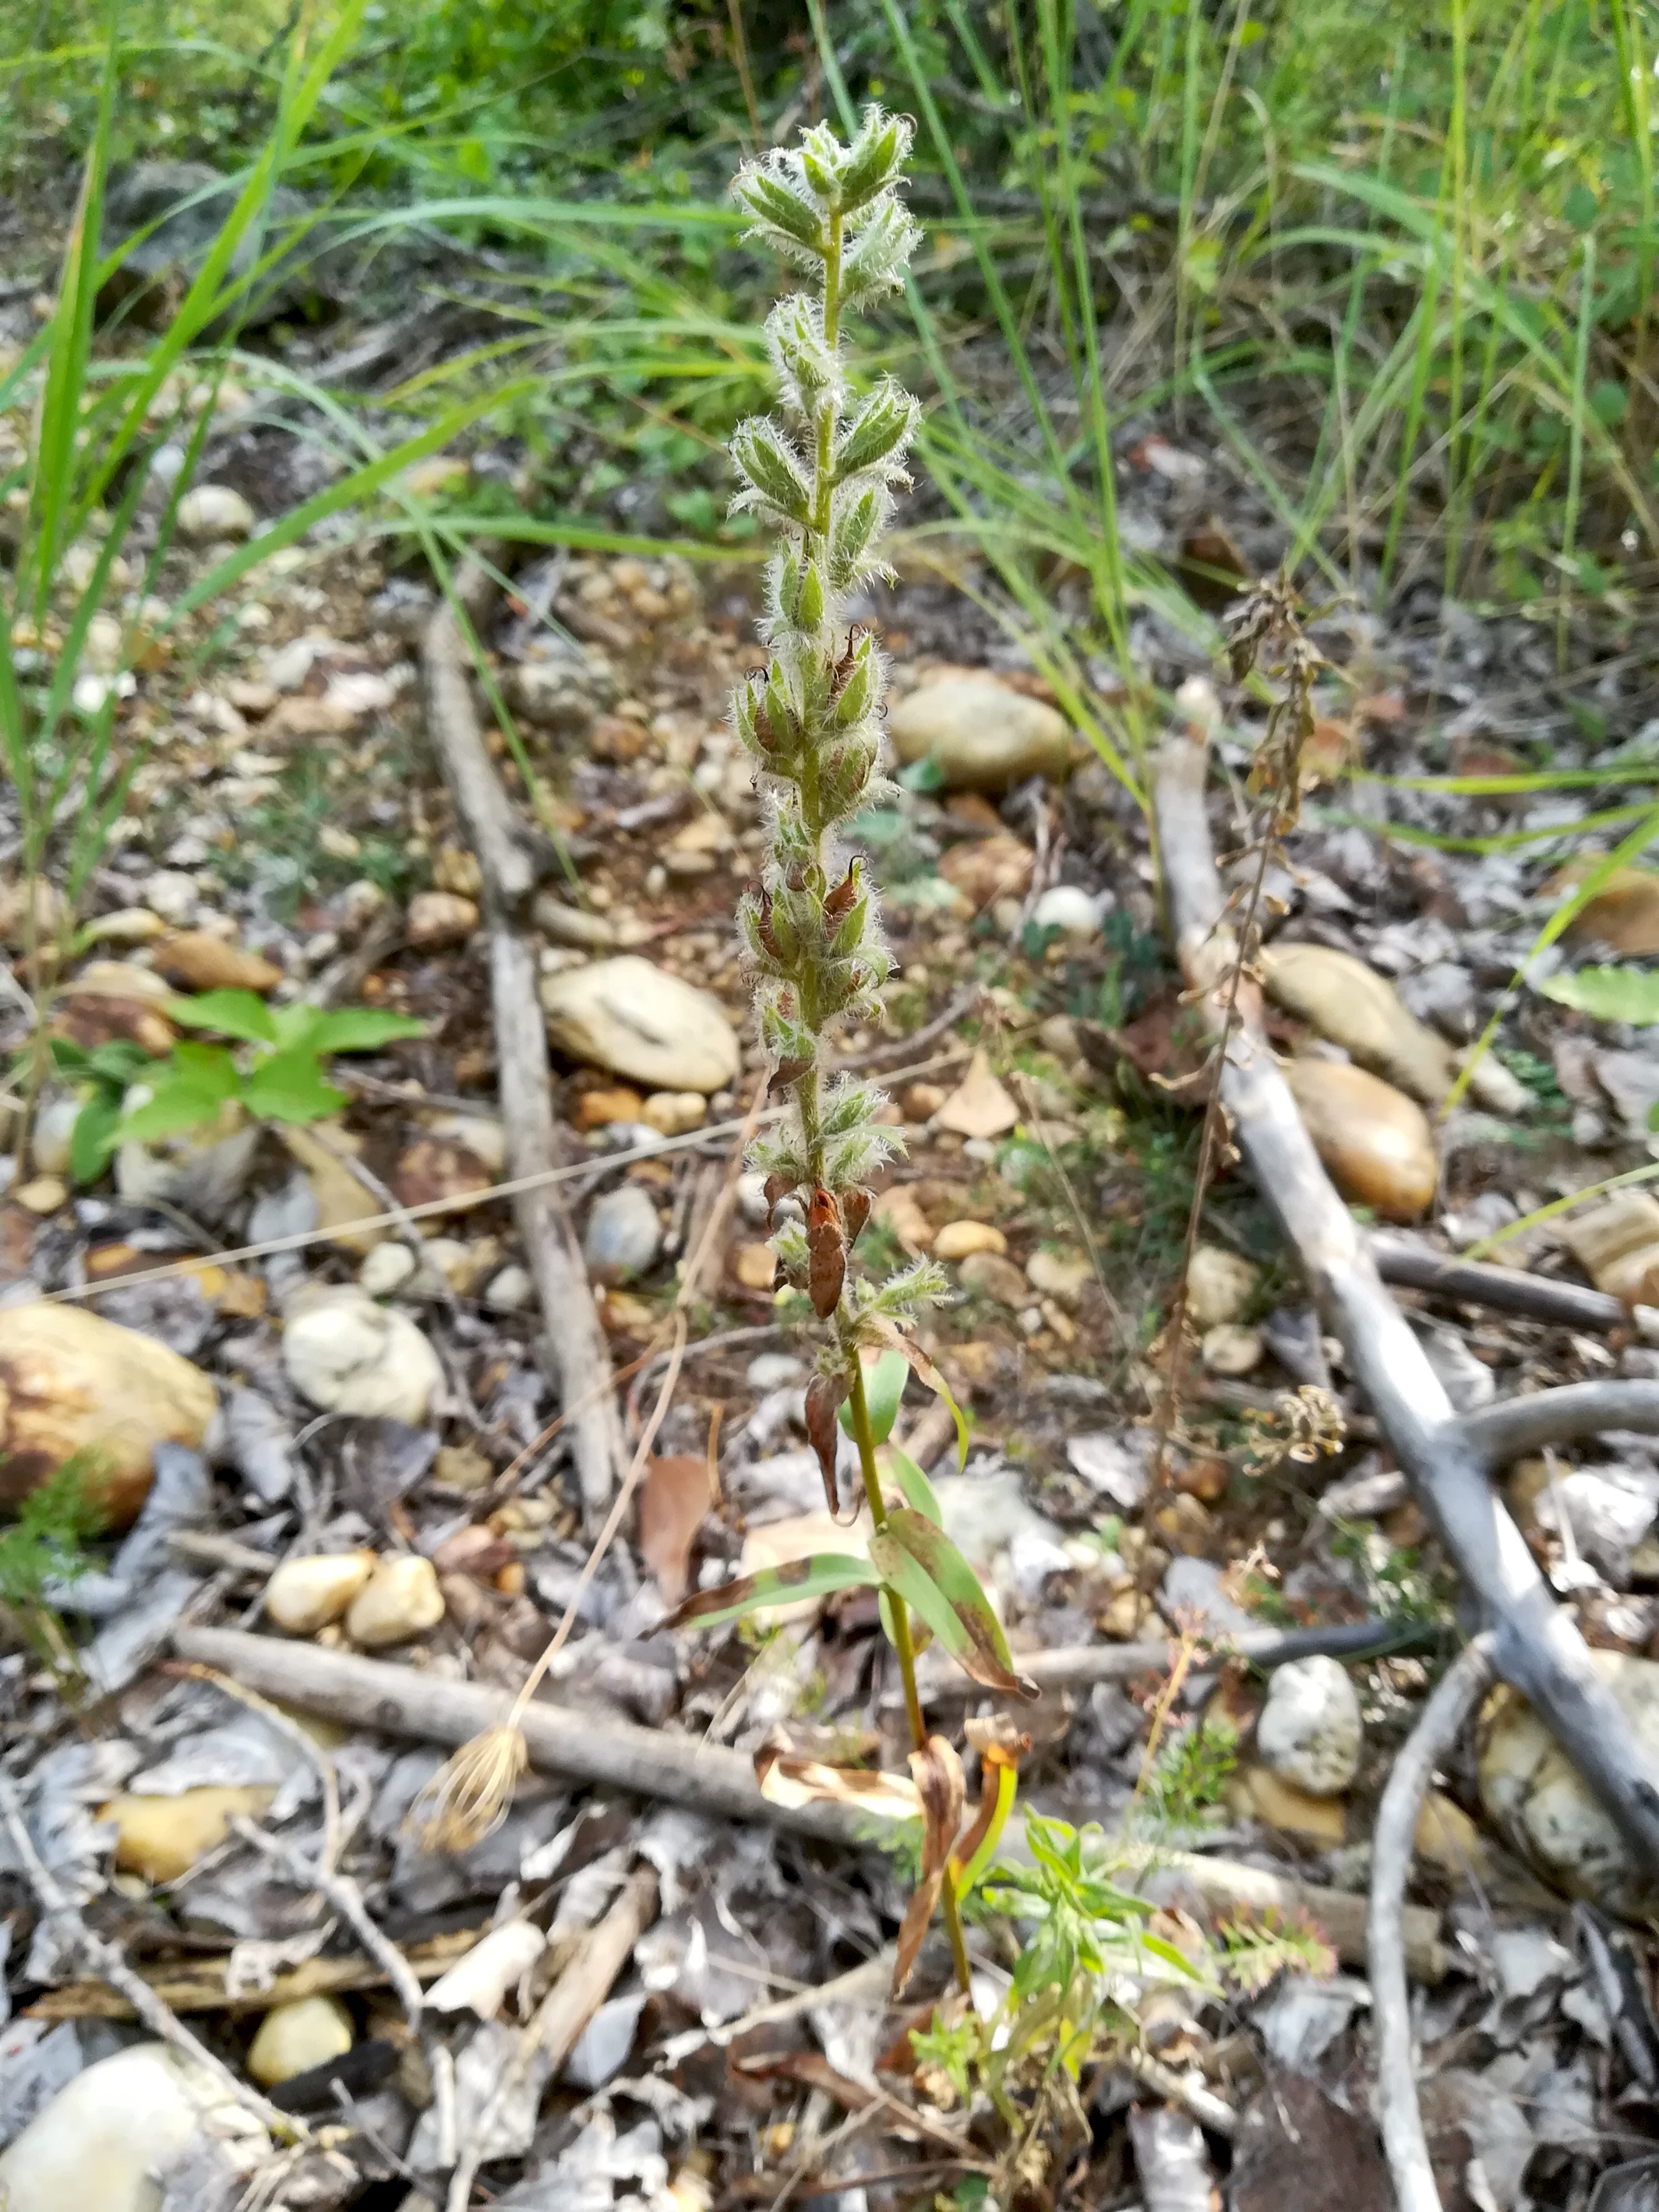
(1413, 1265)
(1499, 1434)
(107, 1963)
(575, 1342)
(284, 1725)
(562, 2015)
(343, 1895)
(1538, 1649)
(1210, 2110)
(1070, 1666)
(1437, 1729)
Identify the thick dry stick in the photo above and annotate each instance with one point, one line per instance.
(1405, 1261)
(649, 1762)
(684, 1770)
(1437, 1729)
(1537, 1648)
(574, 1341)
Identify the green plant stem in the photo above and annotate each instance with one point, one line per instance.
(899, 1612)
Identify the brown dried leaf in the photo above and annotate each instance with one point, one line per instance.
(979, 1106)
(823, 1395)
(939, 1786)
(673, 1499)
(786, 1779)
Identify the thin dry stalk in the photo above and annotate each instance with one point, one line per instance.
(1268, 623)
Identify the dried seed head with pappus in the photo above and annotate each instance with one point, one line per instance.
(822, 473)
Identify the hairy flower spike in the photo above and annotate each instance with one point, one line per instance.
(822, 473)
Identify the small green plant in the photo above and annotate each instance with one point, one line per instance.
(42, 1551)
(1087, 1947)
(1189, 1776)
(276, 1075)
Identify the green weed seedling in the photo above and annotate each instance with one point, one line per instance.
(271, 1067)
(44, 1550)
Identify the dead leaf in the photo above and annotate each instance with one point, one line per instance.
(824, 1395)
(989, 868)
(897, 1209)
(979, 1106)
(673, 1499)
(1625, 912)
(939, 1783)
(785, 1779)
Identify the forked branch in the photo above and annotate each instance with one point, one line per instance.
(1535, 1645)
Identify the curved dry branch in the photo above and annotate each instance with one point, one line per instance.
(1437, 1729)
(1499, 1434)
(1537, 1648)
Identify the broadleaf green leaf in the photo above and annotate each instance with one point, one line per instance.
(290, 1086)
(786, 1585)
(239, 1014)
(360, 1029)
(179, 1102)
(928, 1573)
(1608, 994)
(95, 1135)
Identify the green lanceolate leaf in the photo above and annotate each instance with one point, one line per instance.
(1608, 994)
(229, 1014)
(785, 1585)
(925, 1567)
(884, 1386)
(918, 1491)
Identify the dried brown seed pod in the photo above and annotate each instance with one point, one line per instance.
(826, 1253)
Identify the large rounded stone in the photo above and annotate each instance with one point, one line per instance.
(71, 1385)
(1539, 1799)
(1309, 1731)
(108, 2141)
(347, 1355)
(634, 1019)
(983, 735)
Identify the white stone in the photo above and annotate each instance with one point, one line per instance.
(305, 1593)
(1309, 1732)
(107, 2143)
(173, 895)
(54, 1124)
(347, 1355)
(624, 1235)
(211, 511)
(1228, 1349)
(640, 1022)
(510, 1291)
(400, 1599)
(385, 1269)
(1535, 1794)
(1219, 1285)
(294, 2038)
(1070, 909)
